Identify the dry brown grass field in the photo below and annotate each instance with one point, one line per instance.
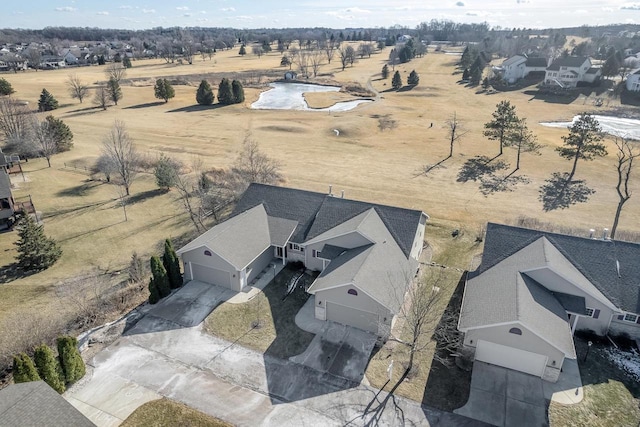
(367, 163)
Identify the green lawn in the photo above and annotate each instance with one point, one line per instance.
(167, 413)
(610, 396)
(266, 323)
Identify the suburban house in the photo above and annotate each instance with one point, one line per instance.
(633, 80)
(36, 404)
(567, 72)
(367, 254)
(534, 289)
(520, 66)
(7, 204)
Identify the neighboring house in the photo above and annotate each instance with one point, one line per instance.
(519, 66)
(50, 62)
(7, 204)
(534, 289)
(290, 75)
(69, 57)
(36, 404)
(567, 72)
(633, 80)
(367, 254)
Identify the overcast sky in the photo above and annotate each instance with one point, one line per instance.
(135, 14)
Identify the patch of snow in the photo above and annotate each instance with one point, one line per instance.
(628, 361)
(290, 96)
(629, 128)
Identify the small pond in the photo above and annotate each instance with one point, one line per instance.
(629, 128)
(289, 96)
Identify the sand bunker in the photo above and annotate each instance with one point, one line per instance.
(290, 96)
(629, 128)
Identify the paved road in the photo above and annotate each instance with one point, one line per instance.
(159, 357)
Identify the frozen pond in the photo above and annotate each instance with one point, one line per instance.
(629, 128)
(289, 96)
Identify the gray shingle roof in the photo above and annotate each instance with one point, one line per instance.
(318, 212)
(5, 185)
(572, 303)
(330, 252)
(536, 62)
(35, 404)
(595, 259)
(593, 70)
(569, 61)
(280, 230)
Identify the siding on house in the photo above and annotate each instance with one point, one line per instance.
(619, 327)
(197, 256)
(347, 241)
(259, 264)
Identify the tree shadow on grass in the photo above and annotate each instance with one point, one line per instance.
(495, 184)
(79, 190)
(196, 108)
(141, 197)
(560, 193)
(478, 167)
(145, 105)
(11, 272)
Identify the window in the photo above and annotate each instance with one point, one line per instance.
(352, 292)
(207, 253)
(589, 312)
(315, 253)
(294, 247)
(516, 331)
(628, 317)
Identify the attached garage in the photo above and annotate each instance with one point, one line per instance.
(512, 358)
(211, 275)
(353, 317)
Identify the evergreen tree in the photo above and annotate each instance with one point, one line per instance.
(243, 51)
(225, 92)
(126, 62)
(396, 82)
(504, 121)
(266, 46)
(467, 58)
(35, 250)
(204, 94)
(385, 72)
(583, 142)
(61, 133)
(611, 66)
(113, 90)
(159, 279)
(136, 269)
(172, 265)
(166, 172)
(47, 102)
(5, 87)
(285, 61)
(49, 368)
(24, 370)
(70, 360)
(164, 90)
(413, 78)
(238, 92)
(465, 74)
(154, 293)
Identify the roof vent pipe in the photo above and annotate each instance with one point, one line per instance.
(342, 195)
(592, 233)
(330, 189)
(605, 232)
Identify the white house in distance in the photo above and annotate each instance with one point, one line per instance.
(534, 289)
(567, 72)
(633, 81)
(367, 254)
(519, 66)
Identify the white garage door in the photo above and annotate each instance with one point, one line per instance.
(352, 317)
(512, 358)
(211, 275)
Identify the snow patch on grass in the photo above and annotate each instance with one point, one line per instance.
(628, 361)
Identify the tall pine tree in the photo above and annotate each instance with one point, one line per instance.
(35, 250)
(164, 90)
(238, 92)
(159, 286)
(204, 95)
(504, 121)
(47, 102)
(396, 81)
(225, 92)
(172, 265)
(49, 368)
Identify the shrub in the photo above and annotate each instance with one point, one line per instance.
(126, 62)
(225, 92)
(385, 72)
(47, 102)
(204, 94)
(49, 368)
(238, 92)
(23, 369)
(160, 280)
(396, 82)
(35, 250)
(164, 90)
(5, 87)
(413, 78)
(166, 172)
(171, 265)
(136, 269)
(70, 360)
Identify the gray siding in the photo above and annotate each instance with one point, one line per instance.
(619, 327)
(527, 341)
(197, 256)
(349, 241)
(418, 240)
(599, 325)
(259, 264)
(361, 302)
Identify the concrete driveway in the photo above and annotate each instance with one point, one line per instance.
(159, 357)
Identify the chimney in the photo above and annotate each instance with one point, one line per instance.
(342, 195)
(592, 233)
(605, 232)
(330, 189)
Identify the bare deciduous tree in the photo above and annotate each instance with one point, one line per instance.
(118, 147)
(115, 71)
(625, 156)
(77, 89)
(347, 55)
(257, 50)
(252, 165)
(454, 132)
(15, 124)
(316, 61)
(43, 139)
(101, 98)
(105, 166)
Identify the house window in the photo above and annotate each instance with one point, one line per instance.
(208, 253)
(630, 317)
(516, 331)
(352, 292)
(315, 253)
(589, 312)
(294, 247)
